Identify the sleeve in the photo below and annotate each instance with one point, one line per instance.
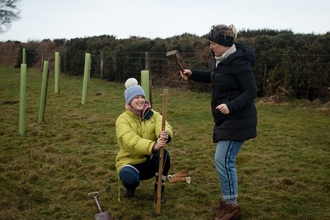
(201, 76)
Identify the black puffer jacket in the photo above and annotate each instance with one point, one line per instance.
(233, 84)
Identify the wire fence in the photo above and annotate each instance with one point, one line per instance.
(278, 76)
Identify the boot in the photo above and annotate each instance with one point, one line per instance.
(129, 193)
(218, 209)
(162, 197)
(230, 212)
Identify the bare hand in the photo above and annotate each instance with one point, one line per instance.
(160, 143)
(185, 74)
(163, 135)
(223, 109)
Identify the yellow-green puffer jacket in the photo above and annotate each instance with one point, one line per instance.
(136, 136)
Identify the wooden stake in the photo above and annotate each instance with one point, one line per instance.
(161, 156)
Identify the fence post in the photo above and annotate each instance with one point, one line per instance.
(145, 83)
(264, 80)
(147, 60)
(8, 57)
(23, 56)
(42, 58)
(101, 65)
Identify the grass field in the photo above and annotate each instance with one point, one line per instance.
(47, 173)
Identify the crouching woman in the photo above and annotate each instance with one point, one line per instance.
(140, 138)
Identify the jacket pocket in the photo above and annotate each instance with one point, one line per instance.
(219, 118)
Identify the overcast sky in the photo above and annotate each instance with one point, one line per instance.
(49, 19)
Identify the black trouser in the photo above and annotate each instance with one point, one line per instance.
(150, 167)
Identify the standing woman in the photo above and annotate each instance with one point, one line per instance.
(233, 109)
(140, 137)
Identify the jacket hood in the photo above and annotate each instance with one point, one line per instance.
(246, 52)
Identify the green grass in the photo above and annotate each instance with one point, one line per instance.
(47, 173)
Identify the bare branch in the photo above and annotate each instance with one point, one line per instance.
(9, 12)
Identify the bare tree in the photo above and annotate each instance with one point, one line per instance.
(9, 12)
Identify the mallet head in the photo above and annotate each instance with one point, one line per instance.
(173, 55)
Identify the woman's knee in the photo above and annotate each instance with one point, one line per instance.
(129, 176)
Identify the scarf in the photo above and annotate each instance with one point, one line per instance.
(230, 50)
(147, 105)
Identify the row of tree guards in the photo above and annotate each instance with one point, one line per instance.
(44, 86)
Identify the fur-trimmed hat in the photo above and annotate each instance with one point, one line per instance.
(132, 90)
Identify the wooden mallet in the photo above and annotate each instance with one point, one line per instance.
(175, 56)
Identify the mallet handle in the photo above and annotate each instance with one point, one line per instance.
(179, 65)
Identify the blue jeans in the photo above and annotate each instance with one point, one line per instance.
(225, 160)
